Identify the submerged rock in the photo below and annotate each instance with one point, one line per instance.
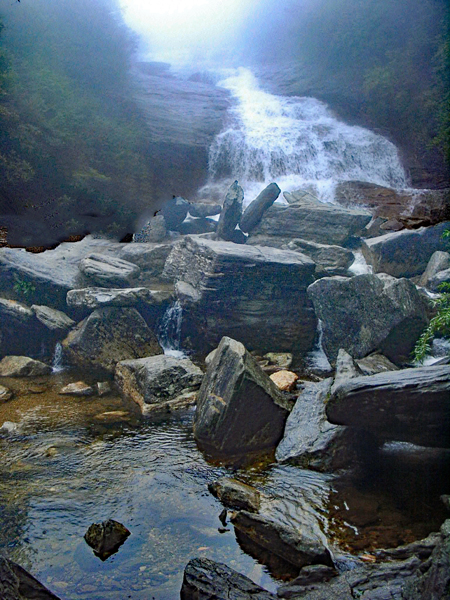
(156, 379)
(106, 538)
(366, 313)
(409, 405)
(108, 336)
(22, 366)
(256, 209)
(205, 579)
(18, 584)
(231, 212)
(235, 494)
(239, 409)
(78, 388)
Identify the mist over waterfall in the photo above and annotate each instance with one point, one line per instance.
(296, 142)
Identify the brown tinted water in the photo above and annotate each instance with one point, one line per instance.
(66, 463)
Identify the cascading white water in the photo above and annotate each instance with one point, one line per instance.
(296, 142)
(57, 364)
(169, 334)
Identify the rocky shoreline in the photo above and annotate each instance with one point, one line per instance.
(254, 297)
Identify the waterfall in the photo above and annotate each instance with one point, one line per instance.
(169, 333)
(317, 359)
(57, 363)
(296, 142)
(359, 265)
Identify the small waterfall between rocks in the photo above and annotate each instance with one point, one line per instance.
(317, 360)
(57, 363)
(169, 333)
(296, 142)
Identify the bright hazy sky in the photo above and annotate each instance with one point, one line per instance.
(177, 27)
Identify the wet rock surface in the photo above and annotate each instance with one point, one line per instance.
(205, 579)
(106, 538)
(18, 584)
(408, 405)
(366, 313)
(239, 409)
(256, 209)
(231, 212)
(235, 494)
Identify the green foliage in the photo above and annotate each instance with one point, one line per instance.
(439, 324)
(23, 288)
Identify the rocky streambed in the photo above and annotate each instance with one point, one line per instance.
(315, 468)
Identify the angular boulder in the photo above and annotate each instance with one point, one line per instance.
(296, 547)
(156, 379)
(54, 320)
(106, 538)
(368, 313)
(310, 220)
(409, 405)
(92, 298)
(334, 260)
(150, 258)
(153, 231)
(18, 584)
(108, 270)
(375, 363)
(108, 336)
(205, 579)
(202, 210)
(174, 212)
(404, 253)
(235, 494)
(252, 294)
(433, 276)
(22, 366)
(256, 209)
(21, 332)
(231, 212)
(77, 389)
(240, 411)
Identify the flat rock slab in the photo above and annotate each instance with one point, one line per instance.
(18, 584)
(95, 297)
(410, 405)
(22, 366)
(108, 336)
(53, 319)
(239, 409)
(157, 379)
(205, 579)
(77, 388)
(252, 294)
(108, 270)
(332, 259)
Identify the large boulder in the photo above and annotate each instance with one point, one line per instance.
(156, 379)
(409, 405)
(437, 271)
(149, 257)
(109, 271)
(235, 494)
(368, 313)
(18, 584)
(153, 231)
(256, 209)
(103, 339)
(231, 212)
(404, 253)
(174, 212)
(239, 409)
(202, 210)
(310, 220)
(333, 260)
(205, 579)
(20, 330)
(252, 294)
(54, 320)
(22, 366)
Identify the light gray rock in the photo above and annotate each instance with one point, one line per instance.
(404, 253)
(309, 439)
(235, 494)
(439, 261)
(409, 405)
(231, 212)
(103, 339)
(54, 320)
(156, 379)
(256, 209)
(78, 389)
(18, 584)
(153, 231)
(5, 394)
(310, 220)
(252, 294)
(150, 258)
(203, 210)
(205, 579)
(434, 283)
(239, 409)
(296, 547)
(109, 271)
(375, 363)
(334, 260)
(346, 368)
(368, 313)
(92, 298)
(22, 366)
(283, 360)
(11, 310)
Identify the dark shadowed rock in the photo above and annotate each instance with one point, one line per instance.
(174, 212)
(297, 547)
(106, 538)
(197, 226)
(366, 313)
(309, 575)
(256, 209)
(203, 209)
(22, 366)
(252, 294)
(239, 409)
(432, 276)
(409, 405)
(309, 439)
(156, 379)
(21, 331)
(18, 584)
(334, 260)
(108, 270)
(153, 231)
(103, 339)
(231, 212)
(310, 220)
(404, 253)
(375, 363)
(235, 494)
(205, 579)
